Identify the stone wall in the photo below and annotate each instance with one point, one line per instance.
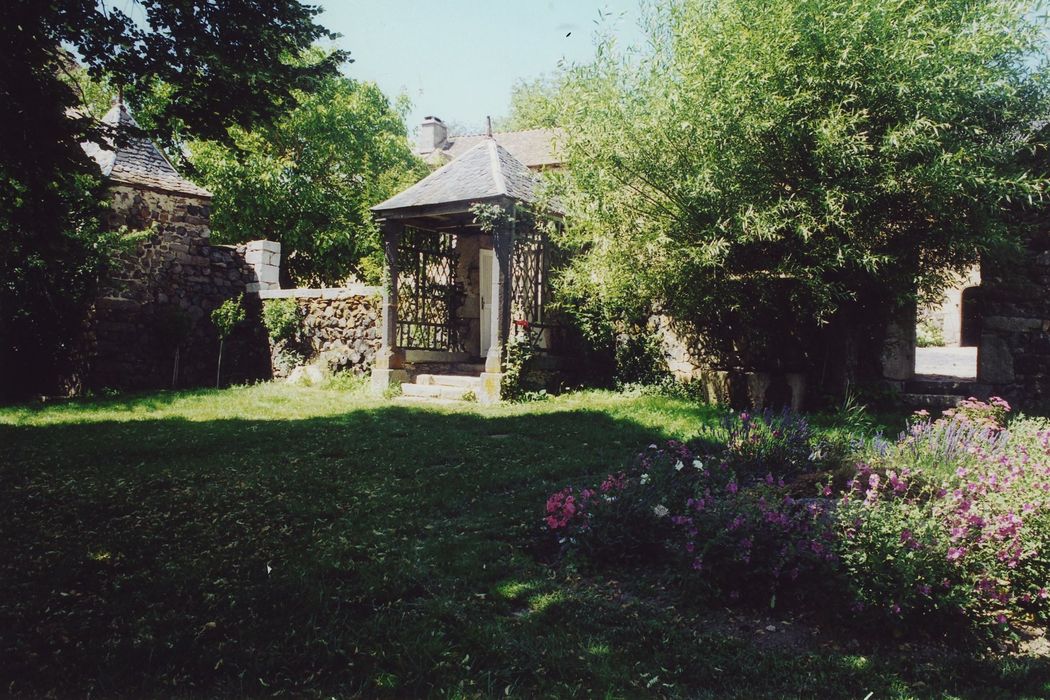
(946, 315)
(159, 298)
(339, 329)
(1014, 354)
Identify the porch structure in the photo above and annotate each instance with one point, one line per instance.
(455, 289)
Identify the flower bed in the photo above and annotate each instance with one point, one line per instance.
(946, 528)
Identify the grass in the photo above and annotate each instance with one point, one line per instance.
(310, 541)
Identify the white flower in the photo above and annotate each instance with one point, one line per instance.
(678, 466)
(697, 464)
(652, 447)
(644, 479)
(660, 511)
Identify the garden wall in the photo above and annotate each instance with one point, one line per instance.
(159, 298)
(339, 329)
(1014, 317)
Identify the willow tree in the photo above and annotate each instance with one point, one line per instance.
(782, 176)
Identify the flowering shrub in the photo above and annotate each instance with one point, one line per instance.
(948, 527)
(677, 504)
(951, 524)
(781, 442)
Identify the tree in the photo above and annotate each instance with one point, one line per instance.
(222, 62)
(309, 180)
(533, 104)
(225, 317)
(784, 176)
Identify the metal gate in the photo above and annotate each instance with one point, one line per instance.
(428, 292)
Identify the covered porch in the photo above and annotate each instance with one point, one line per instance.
(459, 285)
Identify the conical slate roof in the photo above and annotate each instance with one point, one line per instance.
(486, 171)
(139, 162)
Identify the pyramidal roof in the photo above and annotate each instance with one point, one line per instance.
(139, 161)
(486, 171)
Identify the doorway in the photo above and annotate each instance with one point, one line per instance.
(485, 284)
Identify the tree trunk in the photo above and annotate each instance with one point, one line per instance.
(218, 367)
(175, 370)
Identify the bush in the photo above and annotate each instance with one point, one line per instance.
(283, 319)
(949, 528)
(946, 530)
(687, 504)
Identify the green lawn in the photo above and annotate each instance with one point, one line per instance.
(305, 541)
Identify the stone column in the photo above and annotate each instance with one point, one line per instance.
(502, 260)
(265, 259)
(390, 360)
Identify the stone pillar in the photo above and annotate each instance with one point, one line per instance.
(502, 260)
(390, 360)
(265, 259)
(898, 350)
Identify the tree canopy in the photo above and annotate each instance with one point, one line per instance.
(770, 169)
(309, 180)
(222, 62)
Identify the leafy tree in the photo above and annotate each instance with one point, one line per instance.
(533, 104)
(309, 180)
(226, 316)
(221, 62)
(783, 176)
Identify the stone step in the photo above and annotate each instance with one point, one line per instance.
(434, 391)
(934, 401)
(946, 385)
(464, 368)
(429, 400)
(460, 380)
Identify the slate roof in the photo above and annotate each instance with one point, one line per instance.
(485, 171)
(536, 148)
(139, 162)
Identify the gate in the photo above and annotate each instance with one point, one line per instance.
(428, 292)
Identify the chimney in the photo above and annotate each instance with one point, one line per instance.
(432, 135)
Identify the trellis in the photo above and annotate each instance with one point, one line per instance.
(428, 291)
(529, 280)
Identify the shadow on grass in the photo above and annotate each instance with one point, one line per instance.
(381, 551)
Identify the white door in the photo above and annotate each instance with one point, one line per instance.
(485, 283)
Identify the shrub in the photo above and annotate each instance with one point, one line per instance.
(779, 442)
(946, 529)
(283, 319)
(949, 528)
(681, 504)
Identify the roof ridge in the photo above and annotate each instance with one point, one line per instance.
(497, 168)
(504, 133)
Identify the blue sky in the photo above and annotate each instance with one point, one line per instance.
(459, 59)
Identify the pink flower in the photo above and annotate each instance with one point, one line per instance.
(956, 553)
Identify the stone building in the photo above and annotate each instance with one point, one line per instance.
(153, 310)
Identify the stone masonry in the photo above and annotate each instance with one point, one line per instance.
(160, 297)
(340, 329)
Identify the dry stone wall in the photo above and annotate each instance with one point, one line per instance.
(339, 329)
(160, 296)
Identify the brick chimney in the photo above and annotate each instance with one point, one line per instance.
(432, 135)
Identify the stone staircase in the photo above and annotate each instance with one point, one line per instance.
(458, 383)
(936, 392)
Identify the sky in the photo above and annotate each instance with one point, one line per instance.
(459, 59)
